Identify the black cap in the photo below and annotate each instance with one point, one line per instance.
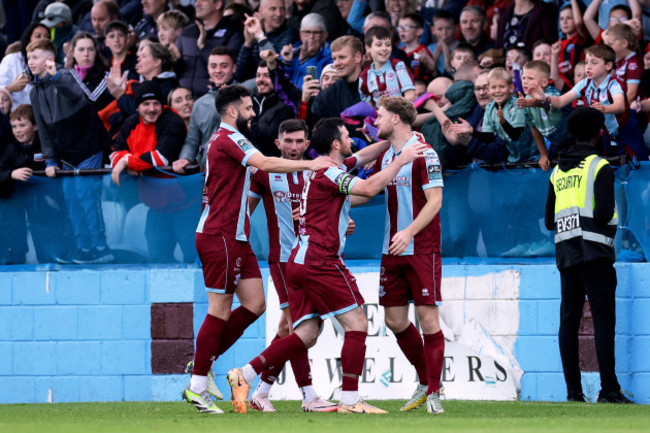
(148, 90)
(585, 123)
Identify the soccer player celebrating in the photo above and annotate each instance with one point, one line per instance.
(320, 286)
(410, 264)
(229, 265)
(281, 195)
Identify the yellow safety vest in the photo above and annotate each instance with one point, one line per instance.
(574, 204)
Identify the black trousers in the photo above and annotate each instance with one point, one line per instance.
(597, 280)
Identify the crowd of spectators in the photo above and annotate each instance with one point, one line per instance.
(130, 84)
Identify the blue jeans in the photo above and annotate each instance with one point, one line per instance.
(83, 197)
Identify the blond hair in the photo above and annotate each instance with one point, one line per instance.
(500, 74)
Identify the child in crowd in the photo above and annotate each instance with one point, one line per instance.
(384, 76)
(579, 74)
(170, 25)
(5, 101)
(545, 122)
(629, 66)
(463, 53)
(18, 161)
(443, 29)
(116, 41)
(517, 55)
(542, 51)
(569, 51)
(602, 91)
(504, 118)
(619, 13)
(420, 59)
(72, 135)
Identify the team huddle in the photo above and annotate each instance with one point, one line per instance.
(307, 203)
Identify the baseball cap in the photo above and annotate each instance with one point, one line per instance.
(56, 13)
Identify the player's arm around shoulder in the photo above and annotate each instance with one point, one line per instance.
(279, 165)
(375, 184)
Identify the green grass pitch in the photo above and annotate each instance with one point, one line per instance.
(459, 416)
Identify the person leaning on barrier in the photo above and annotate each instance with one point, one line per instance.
(580, 207)
(151, 138)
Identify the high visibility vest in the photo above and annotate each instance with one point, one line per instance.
(574, 204)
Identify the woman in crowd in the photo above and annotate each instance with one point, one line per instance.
(89, 69)
(181, 100)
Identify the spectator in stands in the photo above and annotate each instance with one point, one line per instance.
(205, 119)
(570, 50)
(629, 66)
(462, 54)
(14, 73)
(545, 122)
(312, 51)
(384, 76)
(420, 60)
(269, 31)
(71, 134)
(19, 159)
(328, 76)
(121, 59)
(181, 101)
(5, 101)
(89, 69)
(526, 22)
(170, 25)
(211, 30)
(619, 13)
(150, 138)
(516, 55)
(602, 91)
(270, 111)
(443, 30)
(472, 28)
(382, 19)
(347, 52)
(542, 51)
(151, 10)
(58, 18)
(504, 118)
(153, 137)
(466, 132)
(334, 23)
(102, 13)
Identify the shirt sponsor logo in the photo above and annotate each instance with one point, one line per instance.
(244, 145)
(401, 181)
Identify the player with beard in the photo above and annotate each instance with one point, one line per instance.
(229, 265)
(320, 286)
(410, 264)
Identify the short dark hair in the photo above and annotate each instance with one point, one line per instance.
(376, 32)
(585, 124)
(603, 52)
(293, 125)
(223, 51)
(262, 64)
(229, 95)
(325, 132)
(443, 14)
(116, 25)
(624, 8)
(417, 19)
(539, 66)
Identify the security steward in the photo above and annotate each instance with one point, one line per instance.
(580, 207)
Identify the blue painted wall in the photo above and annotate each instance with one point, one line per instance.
(84, 335)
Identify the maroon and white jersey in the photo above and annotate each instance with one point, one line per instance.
(227, 181)
(324, 214)
(629, 71)
(405, 199)
(281, 195)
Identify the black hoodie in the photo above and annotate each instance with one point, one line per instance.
(604, 200)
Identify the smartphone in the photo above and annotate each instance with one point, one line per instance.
(313, 72)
